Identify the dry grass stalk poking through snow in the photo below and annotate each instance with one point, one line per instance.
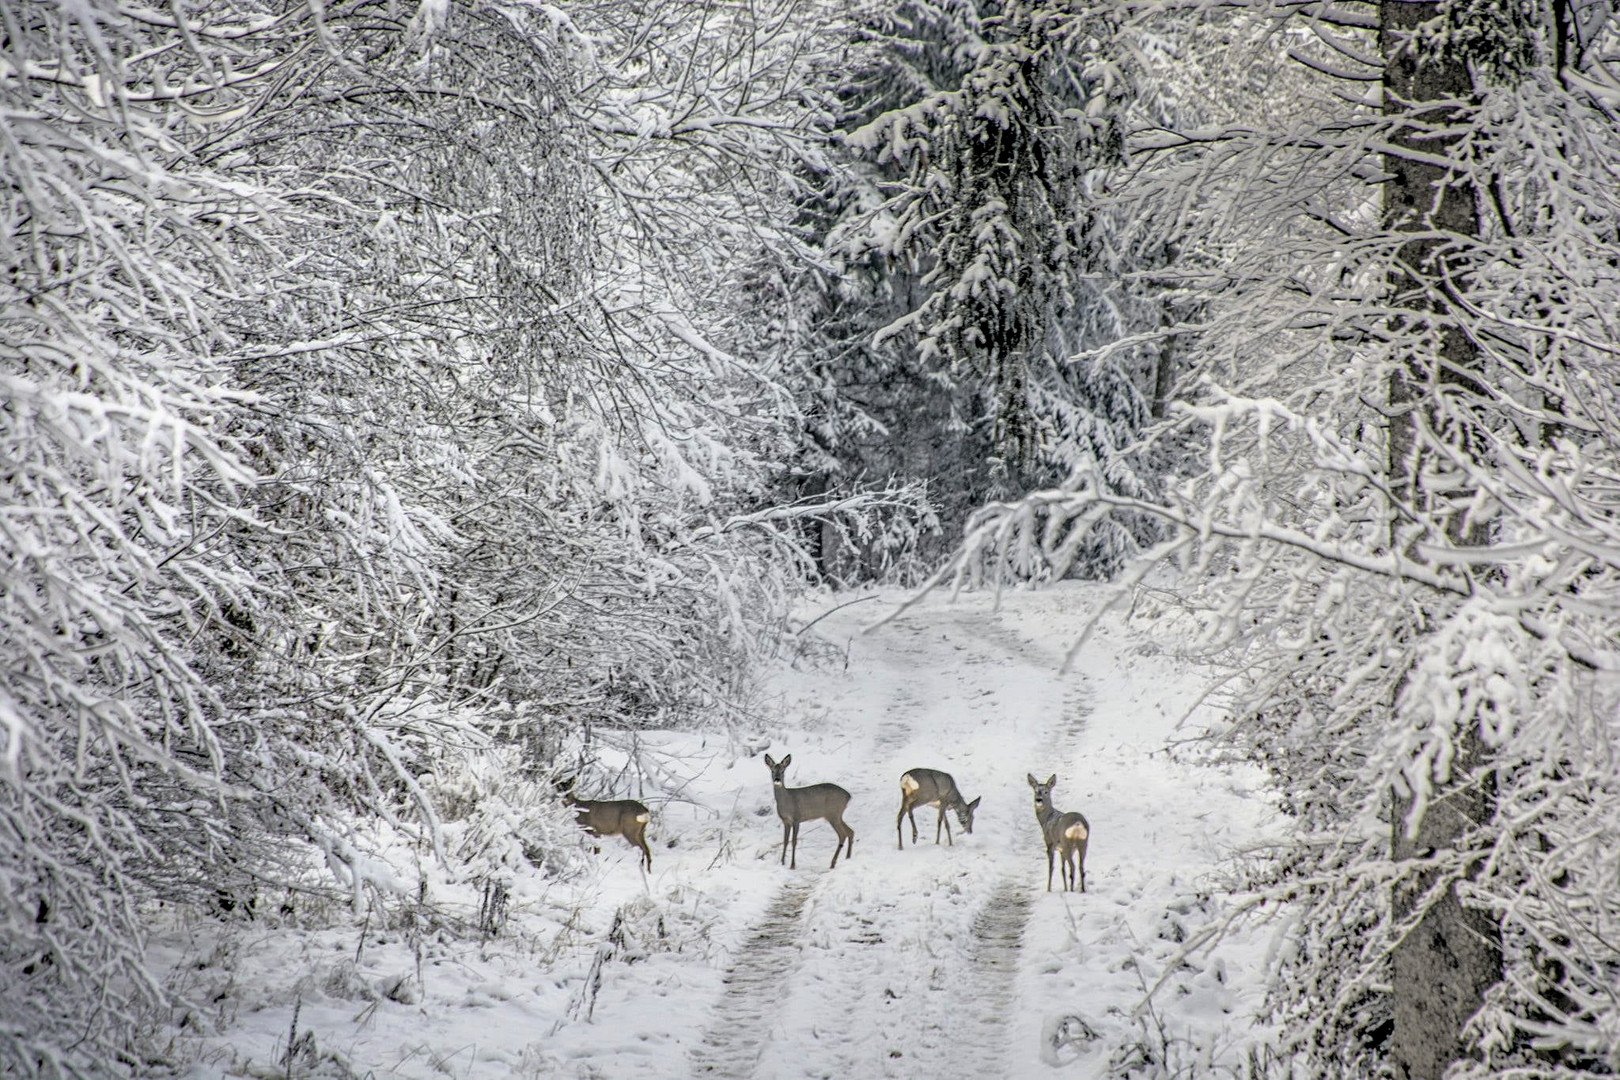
(930, 787)
(1068, 833)
(800, 804)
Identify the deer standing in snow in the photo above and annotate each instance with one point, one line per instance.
(800, 804)
(613, 817)
(1065, 833)
(930, 787)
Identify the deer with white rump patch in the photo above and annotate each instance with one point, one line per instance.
(816, 802)
(613, 817)
(1065, 833)
(930, 787)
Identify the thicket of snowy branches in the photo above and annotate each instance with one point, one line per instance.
(368, 402)
(1403, 527)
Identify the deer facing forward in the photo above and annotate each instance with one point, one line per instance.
(799, 804)
(1065, 833)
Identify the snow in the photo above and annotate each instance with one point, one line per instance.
(928, 961)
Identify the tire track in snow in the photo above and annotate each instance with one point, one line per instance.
(997, 950)
(814, 962)
(999, 928)
(952, 1021)
(754, 986)
(894, 730)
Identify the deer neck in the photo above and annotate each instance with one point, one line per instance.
(1049, 820)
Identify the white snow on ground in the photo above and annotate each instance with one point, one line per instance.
(939, 961)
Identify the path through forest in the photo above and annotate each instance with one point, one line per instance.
(937, 961)
(912, 962)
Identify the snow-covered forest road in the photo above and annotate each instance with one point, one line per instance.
(943, 961)
(906, 961)
(954, 961)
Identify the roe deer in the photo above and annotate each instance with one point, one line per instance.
(1067, 833)
(930, 787)
(614, 817)
(799, 804)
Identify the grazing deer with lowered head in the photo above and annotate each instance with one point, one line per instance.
(930, 787)
(613, 817)
(1065, 833)
(799, 804)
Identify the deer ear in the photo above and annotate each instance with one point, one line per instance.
(1051, 781)
(786, 760)
(1032, 781)
(974, 805)
(769, 764)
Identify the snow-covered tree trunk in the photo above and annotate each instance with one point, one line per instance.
(1444, 964)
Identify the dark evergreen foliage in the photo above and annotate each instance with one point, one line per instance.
(965, 275)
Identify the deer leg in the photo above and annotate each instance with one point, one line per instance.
(794, 864)
(911, 813)
(945, 820)
(638, 838)
(787, 827)
(1049, 868)
(899, 833)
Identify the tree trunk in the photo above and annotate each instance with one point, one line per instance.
(1164, 370)
(1443, 968)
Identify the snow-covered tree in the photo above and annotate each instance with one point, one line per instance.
(964, 262)
(704, 122)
